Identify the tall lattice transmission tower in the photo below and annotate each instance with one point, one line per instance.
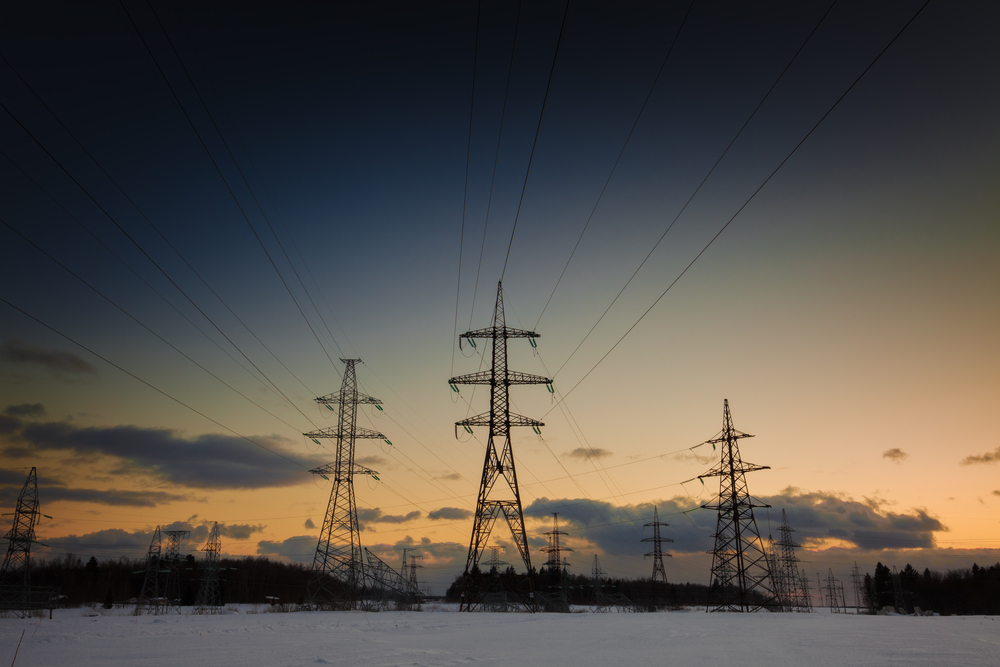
(857, 583)
(785, 570)
(897, 587)
(806, 590)
(209, 598)
(835, 594)
(499, 495)
(337, 578)
(16, 591)
(556, 562)
(659, 573)
(171, 563)
(741, 574)
(150, 600)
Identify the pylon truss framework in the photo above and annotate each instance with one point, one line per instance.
(659, 573)
(342, 576)
(172, 567)
(151, 600)
(16, 592)
(785, 571)
(741, 573)
(604, 599)
(498, 498)
(209, 600)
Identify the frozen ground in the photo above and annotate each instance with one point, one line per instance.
(438, 637)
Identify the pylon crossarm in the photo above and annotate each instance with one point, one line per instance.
(484, 420)
(722, 439)
(343, 470)
(506, 332)
(335, 432)
(513, 377)
(341, 397)
(746, 467)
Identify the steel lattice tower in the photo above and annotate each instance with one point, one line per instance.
(555, 562)
(496, 500)
(659, 573)
(834, 594)
(806, 590)
(789, 591)
(741, 574)
(856, 580)
(149, 599)
(15, 575)
(339, 554)
(172, 565)
(209, 598)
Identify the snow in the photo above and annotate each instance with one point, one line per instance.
(439, 636)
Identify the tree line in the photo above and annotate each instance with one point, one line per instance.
(974, 591)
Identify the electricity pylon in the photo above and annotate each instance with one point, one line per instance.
(555, 562)
(834, 594)
(806, 590)
(659, 573)
(15, 575)
(149, 599)
(741, 574)
(856, 581)
(496, 500)
(209, 599)
(785, 568)
(337, 577)
(172, 565)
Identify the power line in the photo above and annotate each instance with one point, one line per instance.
(465, 190)
(496, 160)
(749, 199)
(617, 160)
(534, 144)
(693, 194)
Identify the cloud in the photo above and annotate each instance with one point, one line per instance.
(450, 513)
(209, 461)
(298, 549)
(54, 490)
(19, 352)
(449, 476)
(371, 461)
(895, 455)
(988, 457)
(309, 524)
(114, 542)
(375, 515)
(584, 454)
(996, 493)
(28, 410)
(8, 424)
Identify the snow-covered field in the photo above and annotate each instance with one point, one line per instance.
(436, 636)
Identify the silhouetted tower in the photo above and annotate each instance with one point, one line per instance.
(15, 575)
(149, 600)
(338, 571)
(806, 591)
(555, 562)
(659, 573)
(788, 584)
(504, 498)
(834, 594)
(741, 574)
(857, 583)
(171, 563)
(209, 599)
(496, 563)
(412, 577)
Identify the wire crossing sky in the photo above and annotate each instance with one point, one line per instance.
(205, 209)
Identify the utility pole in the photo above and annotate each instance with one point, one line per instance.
(209, 598)
(741, 574)
(495, 499)
(337, 578)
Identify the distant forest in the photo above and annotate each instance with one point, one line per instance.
(252, 580)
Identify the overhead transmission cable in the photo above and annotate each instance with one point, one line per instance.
(534, 144)
(151, 386)
(148, 256)
(496, 160)
(155, 229)
(747, 202)
(628, 138)
(465, 190)
(218, 170)
(693, 194)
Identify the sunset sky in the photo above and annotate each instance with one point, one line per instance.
(849, 313)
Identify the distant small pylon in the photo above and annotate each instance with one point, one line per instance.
(149, 600)
(209, 598)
